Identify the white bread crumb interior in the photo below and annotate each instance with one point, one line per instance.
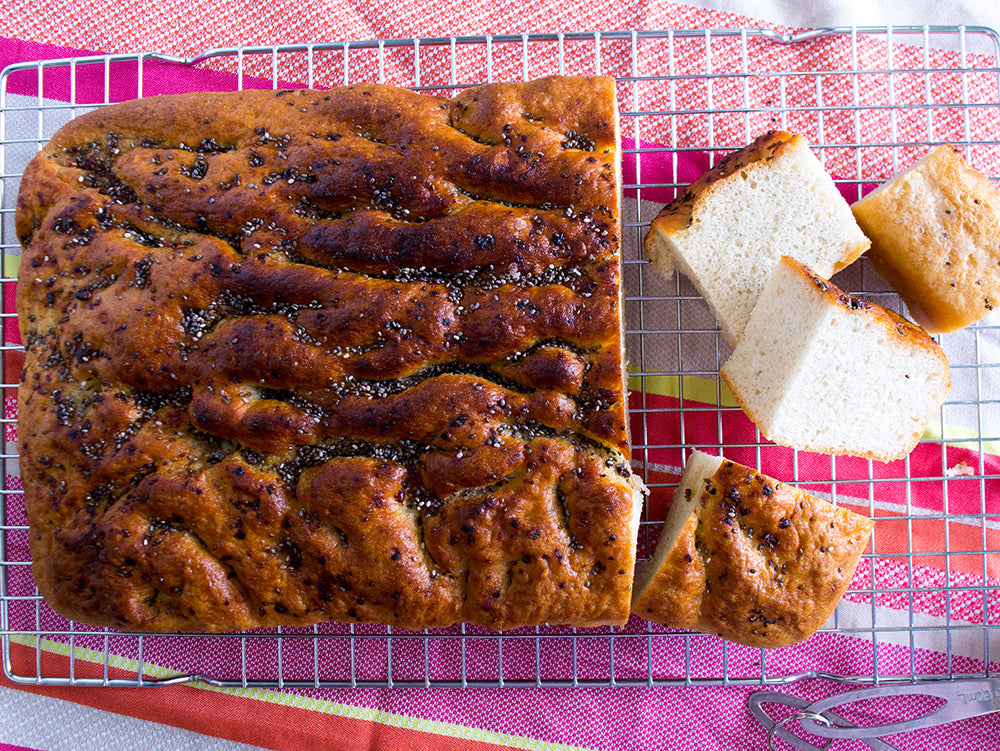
(699, 467)
(777, 199)
(819, 370)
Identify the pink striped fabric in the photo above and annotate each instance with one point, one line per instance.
(906, 573)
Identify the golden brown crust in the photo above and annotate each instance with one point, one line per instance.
(897, 327)
(758, 562)
(309, 355)
(935, 232)
(726, 230)
(679, 214)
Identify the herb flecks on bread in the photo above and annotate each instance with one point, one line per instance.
(297, 356)
(821, 370)
(935, 231)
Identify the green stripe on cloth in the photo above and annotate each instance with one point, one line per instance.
(694, 388)
(956, 436)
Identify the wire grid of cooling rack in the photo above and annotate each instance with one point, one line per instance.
(870, 100)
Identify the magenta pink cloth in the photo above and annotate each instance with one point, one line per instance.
(898, 577)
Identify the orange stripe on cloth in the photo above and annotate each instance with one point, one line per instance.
(222, 715)
(967, 550)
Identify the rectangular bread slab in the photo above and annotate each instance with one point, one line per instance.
(305, 355)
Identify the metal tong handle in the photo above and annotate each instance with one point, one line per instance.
(776, 727)
(963, 699)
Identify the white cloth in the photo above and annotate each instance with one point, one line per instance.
(822, 13)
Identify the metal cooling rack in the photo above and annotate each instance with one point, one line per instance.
(872, 99)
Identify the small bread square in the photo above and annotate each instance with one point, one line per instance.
(820, 370)
(728, 229)
(935, 231)
(749, 558)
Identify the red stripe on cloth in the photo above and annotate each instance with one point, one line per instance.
(8, 747)
(919, 480)
(235, 718)
(11, 332)
(898, 534)
(13, 362)
(923, 539)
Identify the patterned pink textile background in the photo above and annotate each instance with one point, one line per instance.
(904, 574)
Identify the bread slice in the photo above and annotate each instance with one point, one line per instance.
(749, 558)
(727, 231)
(935, 231)
(821, 370)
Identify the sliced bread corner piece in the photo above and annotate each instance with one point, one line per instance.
(821, 370)
(935, 231)
(749, 558)
(651, 576)
(727, 231)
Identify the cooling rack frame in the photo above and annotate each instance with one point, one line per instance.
(701, 75)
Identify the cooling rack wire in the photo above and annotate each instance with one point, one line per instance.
(924, 603)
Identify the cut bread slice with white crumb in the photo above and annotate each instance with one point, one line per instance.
(682, 611)
(821, 370)
(727, 231)
(748, 558)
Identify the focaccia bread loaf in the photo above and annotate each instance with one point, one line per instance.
(820, 370)
(729, 228)
(748, 558)
(305, 355)
(935, 231)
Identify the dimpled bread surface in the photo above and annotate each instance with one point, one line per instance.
(304, 355)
